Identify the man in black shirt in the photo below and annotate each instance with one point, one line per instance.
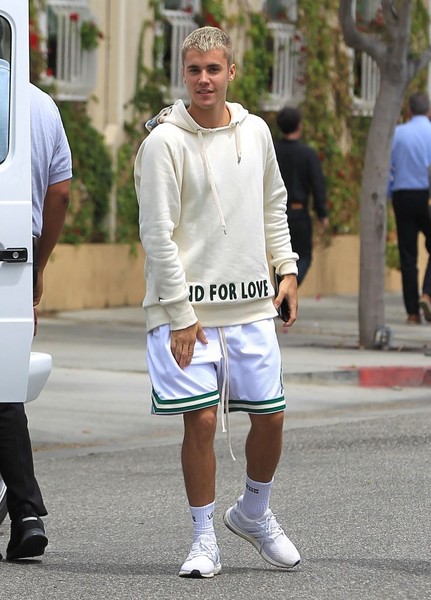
(302, 176)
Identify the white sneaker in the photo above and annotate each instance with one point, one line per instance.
(265, 534)
(203, 560)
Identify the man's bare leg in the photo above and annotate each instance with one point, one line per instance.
(263, 446)
(251, 517)
(199, 466)
(198, 456)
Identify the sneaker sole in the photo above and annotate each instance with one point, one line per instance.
(33, 544)
(196, 574)
(426, 307)
(230, 525)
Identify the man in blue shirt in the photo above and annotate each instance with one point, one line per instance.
(410, 170)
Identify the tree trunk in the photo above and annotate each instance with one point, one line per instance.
(373, 211)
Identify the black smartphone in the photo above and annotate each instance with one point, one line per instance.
(283, 309)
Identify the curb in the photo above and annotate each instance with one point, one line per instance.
(367, 377)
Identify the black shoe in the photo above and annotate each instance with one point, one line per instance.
(27, 538)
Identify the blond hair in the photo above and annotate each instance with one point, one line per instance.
(208, 38)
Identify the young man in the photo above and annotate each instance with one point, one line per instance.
(212, 202)
(302, 175)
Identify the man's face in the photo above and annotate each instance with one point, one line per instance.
(207, 75)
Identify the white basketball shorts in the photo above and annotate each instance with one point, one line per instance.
(244, 358)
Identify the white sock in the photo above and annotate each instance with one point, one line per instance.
(203, 519)
(256, 498)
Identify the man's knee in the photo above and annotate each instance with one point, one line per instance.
(268, 422)
(201, 423)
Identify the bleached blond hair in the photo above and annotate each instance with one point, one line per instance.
(205, 39)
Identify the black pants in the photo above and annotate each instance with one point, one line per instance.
(16, 457)
(301, 232)
(16, 462)
(412, 217)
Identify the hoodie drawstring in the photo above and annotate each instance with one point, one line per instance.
(238, 141)
(211, 181)
(209, 174)
(224, 396)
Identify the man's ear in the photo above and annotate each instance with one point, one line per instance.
(232, 71)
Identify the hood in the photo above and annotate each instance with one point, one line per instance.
(177, 114)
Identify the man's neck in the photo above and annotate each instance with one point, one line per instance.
(292, 136)
(212, 118)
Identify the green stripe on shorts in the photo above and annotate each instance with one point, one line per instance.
(258, 408)
(182, 405)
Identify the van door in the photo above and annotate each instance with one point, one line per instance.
(16, 253)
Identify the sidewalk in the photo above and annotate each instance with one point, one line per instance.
(323, 345)
(326, 343)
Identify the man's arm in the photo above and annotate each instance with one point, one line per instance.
(54, 214)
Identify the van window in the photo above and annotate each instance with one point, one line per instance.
(5, 56)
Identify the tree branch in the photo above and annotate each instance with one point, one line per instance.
(417, 64)
(355, 38)
(398, 24)
(391, 18)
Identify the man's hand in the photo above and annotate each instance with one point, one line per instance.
(288, 289)
(38, 290)
(183, 343)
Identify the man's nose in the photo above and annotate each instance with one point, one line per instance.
(204, 75)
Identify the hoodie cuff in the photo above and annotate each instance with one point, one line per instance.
(181, 314)
(288, 268)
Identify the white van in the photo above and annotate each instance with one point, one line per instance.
(23, 373)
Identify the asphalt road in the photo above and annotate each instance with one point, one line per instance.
(354, 496)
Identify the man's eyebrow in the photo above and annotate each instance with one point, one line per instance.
(193, 66)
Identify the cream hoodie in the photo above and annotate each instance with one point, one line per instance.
(211, 205)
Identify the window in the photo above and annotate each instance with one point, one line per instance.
(71, 38)
(367, 10)
(364, 71)
(178, 23)
(281, 10)
(366, 82)
(191, 6)
(287, 76)
(5, 57)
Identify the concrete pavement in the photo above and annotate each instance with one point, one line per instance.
(323, 340)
